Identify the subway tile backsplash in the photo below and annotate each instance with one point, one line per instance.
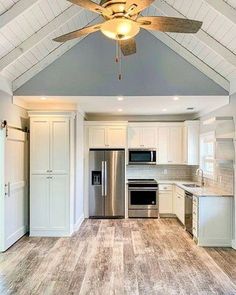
(224, 176)
(162, 172)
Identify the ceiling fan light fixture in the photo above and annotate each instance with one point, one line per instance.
(120, 29)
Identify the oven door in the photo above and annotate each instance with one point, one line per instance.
(142, 157)
(141, 198)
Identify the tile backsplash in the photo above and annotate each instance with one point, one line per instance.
(224, 179)
(162, 172)
(224, 176)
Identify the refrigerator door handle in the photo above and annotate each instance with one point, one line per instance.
(105, 178)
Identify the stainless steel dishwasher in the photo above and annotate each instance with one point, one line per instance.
(189, 212)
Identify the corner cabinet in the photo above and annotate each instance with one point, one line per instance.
(51, 170)
(106, 135)
(191, 142)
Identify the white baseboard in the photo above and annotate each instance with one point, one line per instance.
(15, 236)
(234, 244)
(78, 222)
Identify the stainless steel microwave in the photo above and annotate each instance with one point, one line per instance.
(142, 157)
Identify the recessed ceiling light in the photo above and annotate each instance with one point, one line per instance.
(190, 109)
(164, 110)
(43, 98)
(120, 110)
(120, 98)
(176, 98)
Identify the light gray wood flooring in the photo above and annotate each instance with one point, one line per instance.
(140, 256)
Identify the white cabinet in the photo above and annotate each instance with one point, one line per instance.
(191, 143)
(180, 204)
(49, 145)
(212, 221)
(51, 168)
(49, 210)
(142, 137)
(170, 145)
(107, 136)
(165, 199)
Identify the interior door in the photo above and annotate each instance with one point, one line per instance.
(115, 183)
(96, 183)
(14, 199)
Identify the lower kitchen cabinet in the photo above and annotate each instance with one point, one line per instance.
(212, 221)
(165, 199)
(180, 204)
(49, 207)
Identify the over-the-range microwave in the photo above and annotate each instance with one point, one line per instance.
(142, 157)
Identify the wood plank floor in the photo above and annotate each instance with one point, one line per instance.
(118, 257)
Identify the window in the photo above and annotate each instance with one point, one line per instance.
(207, 154)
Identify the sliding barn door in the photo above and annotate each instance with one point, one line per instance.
(14, 204)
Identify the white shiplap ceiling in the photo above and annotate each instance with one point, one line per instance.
(27, 28)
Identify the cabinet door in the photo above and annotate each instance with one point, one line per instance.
(175, 147)
(149, 137)
(59, 202)
(163, 140)
(165, 202)
(40, 146)
(97, 137)
(185, 145)
(116, 136)
(60, 137)
(39, 202)
(134, 137)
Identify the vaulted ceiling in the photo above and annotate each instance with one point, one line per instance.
(27, 28)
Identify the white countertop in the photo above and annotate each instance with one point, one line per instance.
(198, 192)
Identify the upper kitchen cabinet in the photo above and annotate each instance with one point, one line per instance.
(105, 135)
(191, 143)
(49, 145)
(142, 137)
(170, 144)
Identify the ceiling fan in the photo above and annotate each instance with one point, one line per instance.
(123, 22)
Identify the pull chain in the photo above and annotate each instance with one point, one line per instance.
(118, 60)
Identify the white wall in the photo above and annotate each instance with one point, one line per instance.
(79, 174)
(15, 116)
(229, 110)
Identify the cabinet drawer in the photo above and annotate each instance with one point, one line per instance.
(165, 187)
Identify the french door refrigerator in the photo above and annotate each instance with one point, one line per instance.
(107, 183)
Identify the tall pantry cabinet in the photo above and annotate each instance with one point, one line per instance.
(51, 173)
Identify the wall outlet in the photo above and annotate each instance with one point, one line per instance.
(165, 172)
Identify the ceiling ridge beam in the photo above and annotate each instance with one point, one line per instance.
(223, 8)
(192, 59)
(202, 36)
(59, 21)
(16, 10)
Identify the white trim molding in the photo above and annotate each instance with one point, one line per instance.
(78, 223)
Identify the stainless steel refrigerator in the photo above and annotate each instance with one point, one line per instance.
(107, 183)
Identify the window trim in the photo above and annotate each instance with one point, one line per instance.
(205, 158)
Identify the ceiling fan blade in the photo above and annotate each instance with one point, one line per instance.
(78, 33)
(169, 24)
(135, 6)
(128, 47)
(90, 5)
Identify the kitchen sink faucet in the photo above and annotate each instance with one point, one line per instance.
(199, 172)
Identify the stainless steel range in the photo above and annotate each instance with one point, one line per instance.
(143, 198)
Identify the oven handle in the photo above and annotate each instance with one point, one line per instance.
(143, 189)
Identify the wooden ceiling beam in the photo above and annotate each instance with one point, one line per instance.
(16, 10)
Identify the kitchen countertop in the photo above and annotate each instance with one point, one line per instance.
(198, 192)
